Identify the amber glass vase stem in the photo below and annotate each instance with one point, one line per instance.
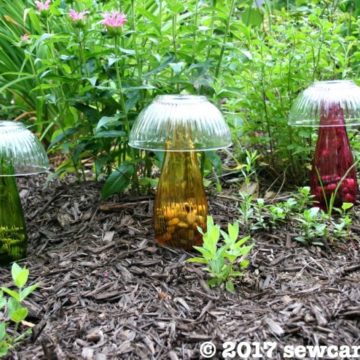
(180, 203)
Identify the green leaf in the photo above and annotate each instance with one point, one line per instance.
(14, 295)
(245, 250)
(15, 271)
(19, 315)
(19, 275)
(230, 287)
(245, 263)
(62, 136)
(110, 134)
(119, 180)
(2, 300)
(198, 260)
(177, 67)
(252, 17)
(214, 282)
(233, 230)
(106, 122)
(204, 252)
(27, 291)
(211, 237)
(217, 265)
(346, 206)
(4, 348)
(242, 241)
(2, 330)
(13, 305)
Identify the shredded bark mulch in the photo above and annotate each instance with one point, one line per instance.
(108, 292)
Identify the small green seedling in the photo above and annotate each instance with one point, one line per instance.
(313, 226)
(342, 228)
(303, 197)
(225, 262)
(316, 226)
(12, 312)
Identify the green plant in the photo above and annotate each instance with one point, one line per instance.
(303, 197)
(13, 310)
(318, 226)
(330, 202)
(259, 219)
(313, 226)
(246, 210)
(249, 168)
(223, 262)
(81, 89)
(342, 227)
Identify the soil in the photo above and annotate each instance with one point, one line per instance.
(108, 292)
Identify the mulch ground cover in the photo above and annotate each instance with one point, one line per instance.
(108, 292)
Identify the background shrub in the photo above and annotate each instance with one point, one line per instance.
(81, 88)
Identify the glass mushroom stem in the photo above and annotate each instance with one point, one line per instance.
(180, 203)
(333, 171)
(21, 154)
(180, 126)
(13, 238)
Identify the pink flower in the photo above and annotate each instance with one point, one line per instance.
(77, 16)
(25, 38)
(43, 6)
(114, 21)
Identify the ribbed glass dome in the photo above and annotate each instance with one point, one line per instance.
(180, 123)
(317, 105)
(21, 150)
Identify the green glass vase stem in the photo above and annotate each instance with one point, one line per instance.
(13, 238)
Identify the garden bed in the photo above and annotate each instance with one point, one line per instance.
(108, 292)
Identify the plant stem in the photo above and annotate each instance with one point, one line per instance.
(119, 85)
(122, 100)
(174, 20)
(195, 30)
(133, 25)
(81, 40)
(232, 6)
(160, 16)
(267, 118)
(211, 29)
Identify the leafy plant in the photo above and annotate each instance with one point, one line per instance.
(81, 88)
(223, 262)
(249, 168)
(313, 226)
(246, 210)
(13, 312)
(303, 197)
(317, 226)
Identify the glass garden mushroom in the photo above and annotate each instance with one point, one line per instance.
(180, 125)
(21, 153)
(331, 106)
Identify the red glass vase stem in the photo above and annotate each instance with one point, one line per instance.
(333, 164)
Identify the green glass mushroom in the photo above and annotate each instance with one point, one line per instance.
(21, 154)
(180, 126)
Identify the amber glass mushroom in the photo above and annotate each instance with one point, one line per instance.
(331, 106)
(180, 125)
(21, 153)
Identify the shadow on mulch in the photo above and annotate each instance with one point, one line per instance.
(107, 292)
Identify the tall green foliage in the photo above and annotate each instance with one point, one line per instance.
(83, 88)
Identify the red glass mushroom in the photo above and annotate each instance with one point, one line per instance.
(331, 106)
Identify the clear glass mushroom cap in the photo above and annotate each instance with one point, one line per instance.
(323, 101)
(21, 153)
(180, 123)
